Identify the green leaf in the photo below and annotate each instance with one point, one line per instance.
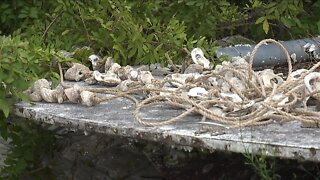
(286, 22)
(260, 20)
(65, 32)
(256, 4)
(265, 26)
(5, 107)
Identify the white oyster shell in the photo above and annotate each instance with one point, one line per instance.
(197, 56)
(197, 92)
(181, 78)
(98, 64)
(269, 78)
(315, 84)
(145, 77)
(108, 78)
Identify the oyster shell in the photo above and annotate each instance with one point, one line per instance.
(145, 77)
(108, 63)
(124, 72)
(77, 72)
(73, 93)
(91, 80)
(295, 75)
(197, 92)
(312, 83)
(89, 98)
(34, 92)
(114, 68)
(55, 95)
(194, 68)
(134, 75)
(180, 79)
(98, 64)
(238, 61)
(269, 78)
(108, 78)
(197, 56)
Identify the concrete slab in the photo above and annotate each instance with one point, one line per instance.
(286, 140)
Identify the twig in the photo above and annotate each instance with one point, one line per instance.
(49, 26)
(187, 51)
(171, 62)
(38, 169)
(84, 25)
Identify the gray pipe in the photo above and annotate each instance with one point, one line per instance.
(300, 50)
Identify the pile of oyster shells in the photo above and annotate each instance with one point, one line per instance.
(107, 73)
(228, 82)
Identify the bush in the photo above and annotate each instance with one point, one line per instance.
(134, 32)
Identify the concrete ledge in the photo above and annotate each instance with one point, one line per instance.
(288, 140)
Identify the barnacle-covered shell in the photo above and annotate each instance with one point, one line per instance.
(89, 98)
(91, 80)
(34, 91)
(108, 63)
(108, 78)
(55, 95)
(269, 78)
(124, 72)
(59, 94)
(238, 61)
(98, 64)
(179, 80)
(35, 97)
(197, 56)
(48, 95)
(114, 68)
(312, 83)
(224, 86)
(157, 83)
(237, 83)
(73, 93)
(145, 77)
(295, 75)
(124, 85)
(128, 84)
(77, 72)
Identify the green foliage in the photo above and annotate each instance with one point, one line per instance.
(284, 12)
(141, 33)
(263, 166)
(20, 63)
(30, 143)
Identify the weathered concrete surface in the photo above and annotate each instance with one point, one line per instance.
(288, 140)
